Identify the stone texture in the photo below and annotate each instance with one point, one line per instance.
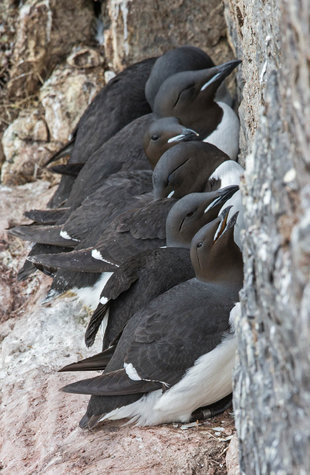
(47, 30)
(272, 397)
(137, 29)
(24, 144)
(232, 457)
(36, 133)
(13, 202)
(69, 90)
(8, 17)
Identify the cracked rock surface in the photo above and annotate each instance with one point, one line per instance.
(272, 397)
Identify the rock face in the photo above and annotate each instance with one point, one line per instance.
(272, 384)
(137, 29)
(47, 30)
(41, 130)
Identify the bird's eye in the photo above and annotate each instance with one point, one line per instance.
(200, 244)
(190, 213)
(155, 137)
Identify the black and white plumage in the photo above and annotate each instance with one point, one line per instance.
(147, 275)
(136, 230)
(199, 109)
(137, 281)
(183, 58)
(186, 168)
(193, 211)
(182, 169)
(120, 191)
(176, 354)
(194, 103)
(132, 232)
(164, 133)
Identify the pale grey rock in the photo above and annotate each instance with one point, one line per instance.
(38, 132)
(232, 457)
(134, 30)
(25, 148)
(85, 57)
(272, 397)
(69, 90)
(47, 31)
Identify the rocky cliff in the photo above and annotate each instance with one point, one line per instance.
(271, 398)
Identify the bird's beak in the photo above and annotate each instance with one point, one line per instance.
(221, 72)
(224, 195)
(225, 224)
(185, 136)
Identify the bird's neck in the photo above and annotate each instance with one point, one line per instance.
(205, 120)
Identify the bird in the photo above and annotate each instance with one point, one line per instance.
(84, 269)
(162, 134)
(128, 95)
(234, 204)
(193, 211)
(147, 274)
(193, 101)
(227, 173)
(119, 191)
(121, 101)
(122, 152)
(182, 58)
(125, 149)
(152, 272)
(198, 159)
(176, 354)
(186, 168)
(132, 231)
(117, 104)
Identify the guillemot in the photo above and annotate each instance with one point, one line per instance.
(186, 168)
(163, 134)
(123, 151)
(160, 136)
(193, 211)
(118, 192)
(183, 169)
(117, 104)
(194, 104)
(176, 354)
(148, 274)
(144, 227)
(126, 235)
(183, 58)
